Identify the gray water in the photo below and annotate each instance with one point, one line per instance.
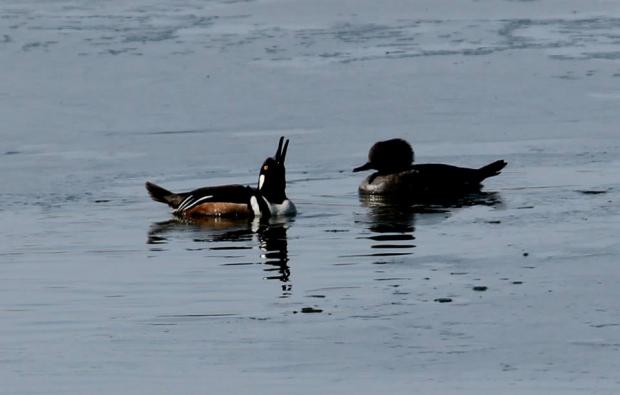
(515, 292)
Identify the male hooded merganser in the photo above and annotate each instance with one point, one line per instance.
(397, 175)
(239, 201)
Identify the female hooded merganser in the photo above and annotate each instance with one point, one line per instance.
(397, 175)
(239, 201)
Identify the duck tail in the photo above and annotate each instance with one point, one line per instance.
(492, 169)
(163, 195)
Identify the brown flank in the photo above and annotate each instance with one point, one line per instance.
(219, 209)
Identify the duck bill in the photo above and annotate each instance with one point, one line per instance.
(366, 166)
(281, 152)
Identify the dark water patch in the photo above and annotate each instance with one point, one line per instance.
(226, 236)
(597, 344)
(396, 237)
(214, 315)
(604, 325)
(37, 45)
(372, 316)
(151, 36)
(387, 227)
(239, 264)
(443, 300)
(229, 256)
(225, 248)
(389, 246)
(308, 310)
(12, 153)
(112, 251)
(390, 254)
(567, 76)
(392, 279)
(480, 288)
(118, 51)
(315, 296)
(592, 192)
(341, 288)
(154, 239)
(375, 255)
(259, 318)
(317, 215)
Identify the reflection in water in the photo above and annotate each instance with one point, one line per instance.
(272, 241)
(391, 220)
(270, 234)
(391, 224)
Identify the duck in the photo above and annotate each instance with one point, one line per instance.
(267, 199)
(396, 174)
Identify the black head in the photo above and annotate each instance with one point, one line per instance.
(272, 176)
(389, 156)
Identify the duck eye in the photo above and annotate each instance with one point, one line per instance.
(265, 167)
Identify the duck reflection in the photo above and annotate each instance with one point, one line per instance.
(271, 235)
(274, 245)
(392, 224)
(391, 220)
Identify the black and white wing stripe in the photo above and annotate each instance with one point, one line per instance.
(221, 194)
(192, 201)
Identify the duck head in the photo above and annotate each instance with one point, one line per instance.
(388, 156)
(272, 176)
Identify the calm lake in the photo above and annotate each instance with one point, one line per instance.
(511, 292)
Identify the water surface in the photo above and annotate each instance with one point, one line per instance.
(512, 291)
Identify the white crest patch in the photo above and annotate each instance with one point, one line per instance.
(261, 181)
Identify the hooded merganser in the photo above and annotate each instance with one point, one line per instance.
(397, 175)
(267, 200)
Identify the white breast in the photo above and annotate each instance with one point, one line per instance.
(255, 206)
(285, 208)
